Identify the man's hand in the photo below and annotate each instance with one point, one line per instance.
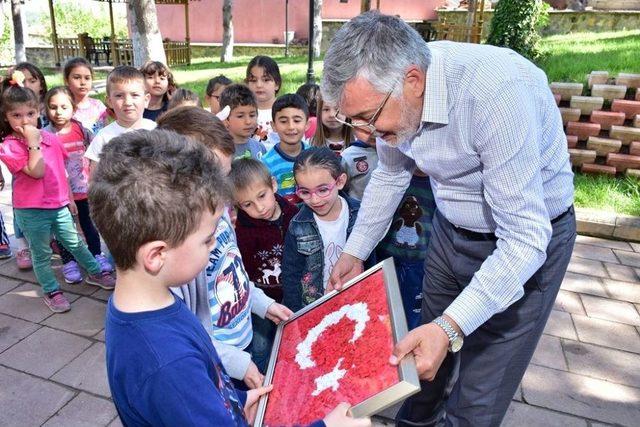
(429, 344)
(341, 417)
(344, 270)
(251, 405)
(278, 313)
(253, 378)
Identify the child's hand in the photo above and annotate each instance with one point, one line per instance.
(341, 417)
(278, 313)
(73, 208)
(253, 378)
(251, 405)
(30, 133)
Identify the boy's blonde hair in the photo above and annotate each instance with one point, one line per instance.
(247, 171)
(123, 74)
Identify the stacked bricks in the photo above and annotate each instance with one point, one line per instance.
(602, 122)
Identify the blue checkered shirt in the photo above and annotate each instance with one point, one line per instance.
(492, 142)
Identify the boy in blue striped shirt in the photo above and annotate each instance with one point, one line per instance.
(290, 121)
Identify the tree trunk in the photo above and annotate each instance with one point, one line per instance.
(471, 7)
(145, 33)
(227, 31)
(317, 27)
(18, 34)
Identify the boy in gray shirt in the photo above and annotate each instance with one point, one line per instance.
(242, 121)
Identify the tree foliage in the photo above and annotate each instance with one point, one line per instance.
(515, 25)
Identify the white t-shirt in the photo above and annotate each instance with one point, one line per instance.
(109, 132)
(334, 237)
(265, 132)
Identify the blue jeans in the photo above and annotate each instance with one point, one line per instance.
(264, 332)
(410, 275)
(37, 226)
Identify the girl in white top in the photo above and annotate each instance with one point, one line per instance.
(263, 78)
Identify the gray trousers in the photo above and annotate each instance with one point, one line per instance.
(475, 387)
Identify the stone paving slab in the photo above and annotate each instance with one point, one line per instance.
(26, 302)
(519, 415)
(604, 363)
(44, 352)
(595, 253)
(560, 325)
(116, 423)
(8, 284)
(84, 411)
(549, 353)
(587, 267)
(609, 309)
(13, 330)
(604, 243)
(631, 259)
(582, 396)
(621, 272)
(87, 372)
(85, 318)
(584, 284)
(635, 246)
(623, 291)
(29, 401)
(607, 334)
(569, 302)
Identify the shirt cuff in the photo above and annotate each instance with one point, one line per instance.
(260, 302)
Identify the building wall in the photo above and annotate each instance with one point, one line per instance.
(263, 21)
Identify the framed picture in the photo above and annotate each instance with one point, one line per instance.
(337, 350)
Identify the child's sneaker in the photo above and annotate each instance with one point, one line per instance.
(57, 302)
(105, 280)
(5, 251)
(71, 272)
(23, 259)
(105, 265)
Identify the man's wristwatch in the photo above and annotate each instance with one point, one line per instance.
(455, 339)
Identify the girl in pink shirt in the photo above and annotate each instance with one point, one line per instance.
(41, 192)
(78, 77)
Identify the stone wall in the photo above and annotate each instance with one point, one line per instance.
(564, 22)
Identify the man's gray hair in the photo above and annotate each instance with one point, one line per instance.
(379, 48)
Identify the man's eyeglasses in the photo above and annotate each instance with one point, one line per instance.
(362, 125)
(321, 191)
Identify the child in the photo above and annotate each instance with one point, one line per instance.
(290, 121)
(263, 78)
(127, 97)
(154, 345)
(359, 159)
(159, 83)
(34, 80)
(242, 121)
(310, 92)
(5, 250)
(222, 295)
(263, 220)
(78, 77)
(407, 241)
(330, 132)
(214, 88)
(75, 139)
(184, 97)
(41, 193)
(320, 230)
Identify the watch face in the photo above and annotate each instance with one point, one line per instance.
(456, 344)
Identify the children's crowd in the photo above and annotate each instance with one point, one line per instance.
(219, 224)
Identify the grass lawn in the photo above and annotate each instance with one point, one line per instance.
(566, 58)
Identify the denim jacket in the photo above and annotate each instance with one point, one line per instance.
(303, 258)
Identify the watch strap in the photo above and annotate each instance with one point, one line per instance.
(448, 329)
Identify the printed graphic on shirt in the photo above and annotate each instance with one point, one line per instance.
(361, 164)
(262, 132)
(407, 228)
(331, 254)
(270, 267)
(287, 181)
(231, 402)
(78, 169)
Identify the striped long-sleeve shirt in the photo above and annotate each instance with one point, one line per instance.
(492, 142)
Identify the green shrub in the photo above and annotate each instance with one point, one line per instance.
(515, 25)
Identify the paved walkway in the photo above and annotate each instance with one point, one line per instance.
(585, 372)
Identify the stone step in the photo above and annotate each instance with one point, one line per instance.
(572, 141)
(603, 146)
(634, 148)
(579, 157)
(569, 114)
(596, 169)
(566, 90)
(587, 104)
(597, 78)
(607, 118)
(625, 134)
(609, 92)
(629, 108)
(636, 121)
(622, 162)
(633, 172)
(583, 130)
(628, 79)
(557, 97)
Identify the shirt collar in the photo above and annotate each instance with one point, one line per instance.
(435, 108)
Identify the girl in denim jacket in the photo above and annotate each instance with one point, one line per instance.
(319, 231)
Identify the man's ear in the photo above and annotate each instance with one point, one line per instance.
(414, 79)
(152, 256)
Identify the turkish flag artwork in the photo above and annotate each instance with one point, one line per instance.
(337, 352)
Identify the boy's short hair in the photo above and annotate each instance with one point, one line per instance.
(152, 185)
(290, 100)
(123, 74)
(200, 125)
(237, 95)
(215, 82)
(246, 171)
(182, 95)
